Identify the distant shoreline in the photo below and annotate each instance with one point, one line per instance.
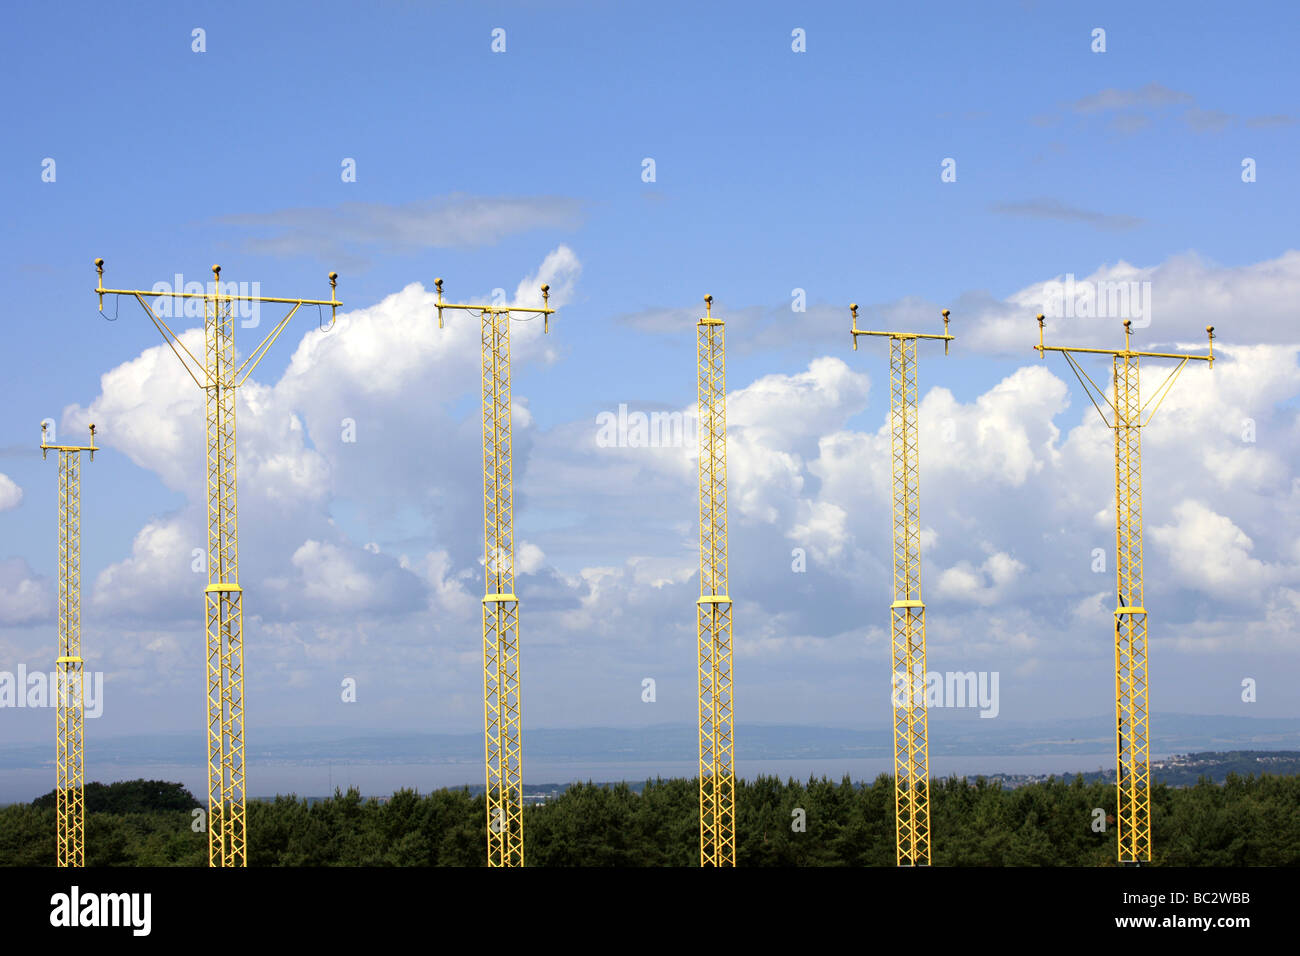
(380, 781)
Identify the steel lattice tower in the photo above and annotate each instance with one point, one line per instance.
(219, 377)
(70, 694)
(713, 609)
(502, 705)
(907, 612)
(1132, 714)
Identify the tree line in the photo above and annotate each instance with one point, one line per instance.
(1246, 821)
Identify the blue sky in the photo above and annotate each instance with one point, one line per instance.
(775, 171)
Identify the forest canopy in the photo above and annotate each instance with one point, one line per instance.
(1246, 821)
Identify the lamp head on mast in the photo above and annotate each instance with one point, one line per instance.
(707, 319)
(947, 336)
(1127, 356)
(1043, 348)
(197, 367)
(545, 311)
(46, 446)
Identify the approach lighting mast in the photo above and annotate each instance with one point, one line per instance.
(219, 377)
(907, 612)
(502, 711)
(1132, 716)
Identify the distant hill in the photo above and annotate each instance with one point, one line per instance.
(1180, 770)
(1184, 770)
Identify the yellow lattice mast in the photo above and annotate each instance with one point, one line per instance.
(1132, 716)
(219, 377)
(70, 697)
(502, 708)
(713, 609)
(907, 612)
